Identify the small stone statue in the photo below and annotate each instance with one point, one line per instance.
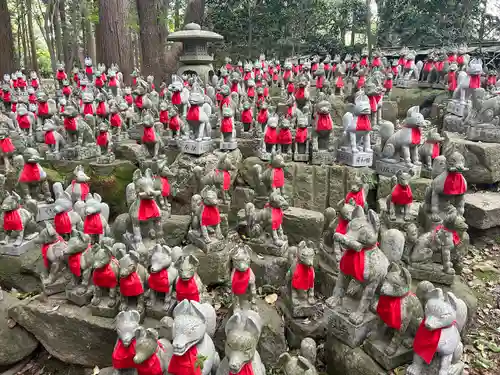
(219, 178)
(25, 120)
(285, 137)
(95, 218)
(322, 127)
(301, 278)
(469, 81)
(430, 150)
(133, 277)
(79, 187)
(104, 141)
(227, 129)
(102, 109)
(66, 220)
(205, 225)
(175, 124)
(303, 363)
(188, 284)
(53, 139)
(105, 277)
(127, 324)
(53, 250)
(263, 117)
(242, 278)
(7, 149)
(150, 138)
(161, 278)
(400, 200)
(301, 141)
(273, 178)
(33, 179)
(46, 107)
(162, 183)
(437, 345)
(80, 261)
(358, 124)
(199, 114)
(246, 116)
(243, 331)
(78, 131)
(153, 354)
(270, 140)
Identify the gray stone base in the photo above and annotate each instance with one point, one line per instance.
(488, 133)
(389, 169)
(103, 310)
(81, 152)
(156, 311)
(399, 223)
(425, 173)
(266, 156)
(172, 143)
(322, 157)
(190, 146)
(224, 208)
(424, 85)
(45, 211)
(267, 247)
(119, 138)
(376, 350)
(214, 245)
(53, 156)
(300, 157)
(358, 159)
(106, 159)
(438, 86)
(432, 272)
(433, 368)
(453, 123)
(132, 305)
(10, 249)
(79, 299)
(229, 146)
(341, 327)
(457, 108)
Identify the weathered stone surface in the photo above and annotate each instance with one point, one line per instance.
(272, 342)
(249, 146)
(240, 197)
(175, 228)
(22, 272)
(300, 224)
(462, 291)
(130, 150)
(308, 186)
(482, 159)
(482, 209)
(453, 123)
(214, 267)
(418, 186)
(407, 98)
(15, 343)
(342, 359)
(390, 110)
(245, 170)
(269, 270)
(341, 178)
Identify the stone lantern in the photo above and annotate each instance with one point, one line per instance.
(195, 58)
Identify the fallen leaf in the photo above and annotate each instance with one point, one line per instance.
(486, 266)
(271, 298)
(96, 370)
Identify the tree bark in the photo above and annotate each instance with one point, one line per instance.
(113, 37)
(34, 60)
(24, 36)
(57, 31)
(90, 39)
(177, 17)
(369, 27)
(7, 45)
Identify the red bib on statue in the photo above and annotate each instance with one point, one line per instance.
(60, 75)
(115, 120)
(402, 195)
(303, 277)
(74, 264)
(389, 310)
(193, 113)
(164, 117)
(84, 189)
(174, 124)
(358, 197)
(278, 178)
(70, 123)
(185, 364)
(226, 179)
(88, 109)
(152, 365)
(324, 122)
(247, 116)
(176, 98)
(210, 216)
(271, 136)
(101, 109)
(104, 277)
(454, 184)
(226, 125)
(148, 136)
(49, 138)
(239, 281)
(426, 342)
(475, 81)
(435, 150)
(262, 116)
(62, 223)
(363, 123)
(158, 281)
(131, 286)
(138, 101)
(148, 209)
(301, 135)
(187, 289)
(285, 137)
(6, 146)
(93, 224)
(276, 217)
(416, 136)
(300, 93)
(30, 173)
(342, 226)
(23, 121)
(129, 99)
(123, 356)
(352, 263)
(165, 186)
(12, 221)
(102, 139)
(247, 369)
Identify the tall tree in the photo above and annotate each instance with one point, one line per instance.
(31, 34)
(7, 45)
(113, 37)
(90, 42)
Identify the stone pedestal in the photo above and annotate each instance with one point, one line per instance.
(488, 133)
(424, 85)
(263, 155)
(399, 223)
(103, 309)
(267, 247)
(300, 157)
(157, 310)
(81, 152)
(432, 272)
(106, 159)
(457, 108)
(322, 157)
(190, 146)
(10, 249)
(390, 168)
(213, 246)
(53, 156)
(438, 86)
(376, 349)
(357, 159)
(59, 285)
(132, 305)
(341, 327)
(79, 299)
(45, 211)
(228, 146)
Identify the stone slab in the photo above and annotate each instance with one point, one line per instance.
(456, 108)
(79, 299)
(482, 209)
(300, 157)
(214, 268)
(10, 249)
(81, 152)
(301, 224)
(106, 159)
(323, 157)
(103, 310)
(45, 211)
(53, 155)
(376, 349)
(189, 146)
(269, 270)
(157, 311)
(228, 145)
(388, 169)
(432, 272)
(488, 133)
(358, 159)
(268, 247)
(263, 155)
(213, 246)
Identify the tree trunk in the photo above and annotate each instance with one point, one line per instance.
(177, 17)
(58, 33)
(7, 45)
(24, 36)
(369, 28)
(113, 37)
(34, 60)
(48, 19)
(90, 40)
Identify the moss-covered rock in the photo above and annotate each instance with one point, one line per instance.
(407, 98)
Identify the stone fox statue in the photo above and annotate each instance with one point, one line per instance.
(220, 177)
(199, 113)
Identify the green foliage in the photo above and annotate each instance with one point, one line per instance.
(44, 65)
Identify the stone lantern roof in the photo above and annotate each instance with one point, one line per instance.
(193, 32)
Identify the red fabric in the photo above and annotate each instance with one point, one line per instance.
(247, 116)
(148, 136)
(84, 189)
(21, 83)
(251, 92)
(187, 289)
(184, 364)
(88, 109)
(176, 98)
(102, 139)
(66, 91)
(275, 77)
(129, 99)
(152, 365)
(131, 285)
(287, 74)
(225, 101)
(44, 249)
(427, 66)
(276, 216)
(278, 178)
(285, 137)
(440, 66)
(101, 109)
(239, 281)
(226, 179)
(62, 223)
(123, 356)
(388, 84)
(99, 83)
(210, 216)
(373, 103)
(301, 135)
(364, 61)
(262, 116)
(6, 145)
(435, 150)
(164, 117)
(327, 67)
(300, 93)
(134, 81)
(402, 195)
(61, 109)
(23, 121)
(193, 113)
(340, 82)
(247, 76)
(376, 62)
(456, 237)
(361, 82)
(247, 369)
(451, 58)
(104, 277)
(303, 277)
(14, 83)
(492, 80)
(70, 123)
(30, 173)
(7, 96)
(290, 88)
(32, 98)
(460, 59)
(158, 281)
(226, 125)
(271, 136)
(89, 70)
(408, 64)
(61, 75)
(341, 226)
(234, 87)
(426, 342)
(324, 122)
(266, 92)
(116, 120)
(319, 82)
(43, 109)
(148, 209)
(12, 220)
(363, 123)
(416, 136)
(93, 224)
(389, 310)
(165, 186)
(358, 197)
(475, 81)
(49, 138)
(454, 184)
(13, 107)
(112, 82)
(352, 263)
(174, 124)
(289, 113)
(138, 101)
(74, 264)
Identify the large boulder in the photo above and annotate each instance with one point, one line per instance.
(390, 110)
(407, 98)
(22, 272)
(214, 268)
(130, 150)
(300, 224)
(482, 209)
(15, 342)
